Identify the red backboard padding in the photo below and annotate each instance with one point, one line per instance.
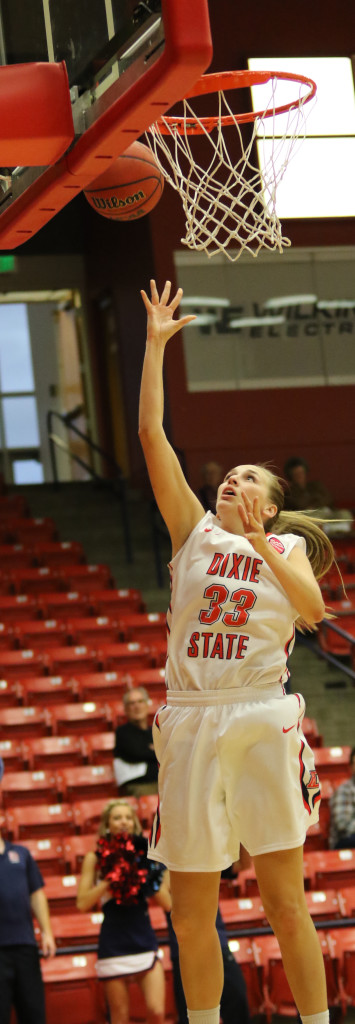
(36, 117)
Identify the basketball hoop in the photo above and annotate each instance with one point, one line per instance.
(231, 199)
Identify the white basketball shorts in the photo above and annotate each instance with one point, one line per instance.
(234, 768)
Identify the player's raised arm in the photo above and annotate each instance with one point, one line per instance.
(178, 505)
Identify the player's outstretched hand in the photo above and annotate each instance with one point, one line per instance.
(250, 515)
(160, 311)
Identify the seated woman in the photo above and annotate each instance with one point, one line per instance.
(119, 876)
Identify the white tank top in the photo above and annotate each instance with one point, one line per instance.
(230, 622)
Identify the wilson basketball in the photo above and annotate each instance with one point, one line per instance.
(130, 187)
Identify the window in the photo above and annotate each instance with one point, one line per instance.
(318, 179)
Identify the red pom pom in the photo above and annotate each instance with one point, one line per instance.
(122, 860)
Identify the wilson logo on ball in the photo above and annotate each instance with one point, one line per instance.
(130, 187)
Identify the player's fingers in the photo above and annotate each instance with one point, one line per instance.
(177, 298)
(146, 301)
(154, 291)
(166, 292)
(185, 320)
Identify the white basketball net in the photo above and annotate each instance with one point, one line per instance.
(230, 204)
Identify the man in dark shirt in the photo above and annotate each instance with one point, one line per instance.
(21, 894)
(135, 764)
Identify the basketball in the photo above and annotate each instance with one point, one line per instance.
(130, 187)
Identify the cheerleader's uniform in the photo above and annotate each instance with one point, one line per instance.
(235, 766)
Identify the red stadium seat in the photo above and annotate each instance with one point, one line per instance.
(61, 892)
(87, 782)
(242, 949)
(147, 806)
(332, 869)
(310, 730)
(88, 812)
(59, 554)
(34, 787)
(16, 556)
(9, 693)
(73, 659)
(32, 531)
(48, 690)
(277, 994)
(102, 685)
(57, 605)
(323, 904)
(72, 991)
(75, 849)
(85, 577)
(102, 630)
(23, 722)
(144, 627)
(41, 634)
(49, 854)
(341, 943)
(13, 505)
(333, 763)
(79, 718)
(244, 912)
(17, 608)
(346, 899)
(125, 657)
(76, 929)
(41, 821)
(99, 747)
(34, 581)
(114, 602)
(7, 637)
(13, 755)
(54, 752)
(158, 650)
(16, 664)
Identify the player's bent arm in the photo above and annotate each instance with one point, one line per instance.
(296, 576)
(90, 894)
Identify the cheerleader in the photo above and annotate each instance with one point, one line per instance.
(120, 878)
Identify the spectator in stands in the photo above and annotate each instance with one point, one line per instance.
(302, 493)
(135, 764)
(21, 895)
(342, 812)
(127, 943)
(212, 474)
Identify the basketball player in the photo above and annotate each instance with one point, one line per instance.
(235, 767)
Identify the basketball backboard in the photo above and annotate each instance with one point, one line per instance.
(128, 62)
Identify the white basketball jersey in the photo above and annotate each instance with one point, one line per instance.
(230, 622)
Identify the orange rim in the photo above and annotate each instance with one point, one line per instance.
(222, 81)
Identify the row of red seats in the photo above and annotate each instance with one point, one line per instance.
(69, 604)
(67, 688)
(62, 577)
(43, 634)
(48, 553)
(64, 719)
(73, 993)
(105, 657)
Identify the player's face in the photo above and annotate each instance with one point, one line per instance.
(121, 819)
(250, 479)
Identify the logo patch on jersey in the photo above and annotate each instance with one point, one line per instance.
(208, 529)
(13, 857)
(277, 544)
(289, 728)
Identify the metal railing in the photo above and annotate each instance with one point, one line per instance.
(117, 484)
